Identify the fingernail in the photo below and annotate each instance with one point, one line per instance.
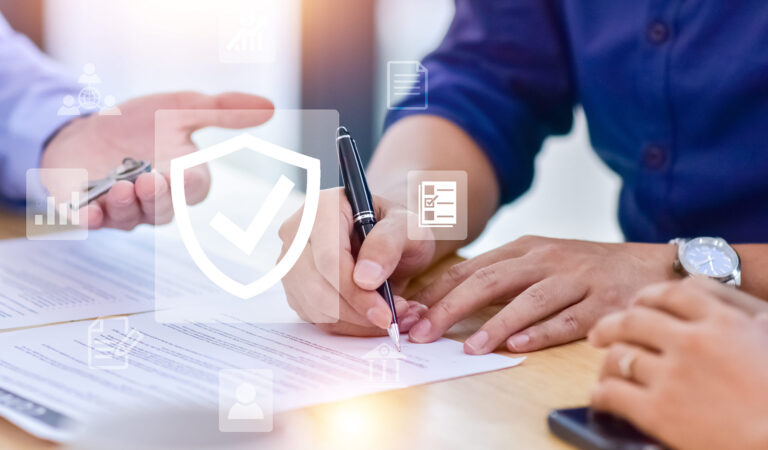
(407, 322)
(420, 306)
(518, 341)
(420, 331)
(477, 341)
(379, 316)
(368, 274)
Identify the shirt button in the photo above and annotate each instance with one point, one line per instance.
(654, 157)
(658, 33)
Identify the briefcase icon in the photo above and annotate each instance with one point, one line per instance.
(246, 239)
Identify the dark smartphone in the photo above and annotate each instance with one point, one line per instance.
(592, 430)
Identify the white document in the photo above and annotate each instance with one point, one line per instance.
(55, 281)
(47, 387)
(407, 80)
(437, 204)
(113, 272)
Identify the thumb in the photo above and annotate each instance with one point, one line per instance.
(195, 110)
(383, 250)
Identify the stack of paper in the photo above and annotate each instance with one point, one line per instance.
(55, 377)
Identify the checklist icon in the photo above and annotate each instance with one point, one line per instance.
(437, 204)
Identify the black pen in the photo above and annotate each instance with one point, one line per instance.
(363, 216)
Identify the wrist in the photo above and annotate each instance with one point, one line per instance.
(660, 258)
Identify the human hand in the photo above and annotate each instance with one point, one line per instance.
(99, 143)
(334, 286)
(555, 290)
(686, 366)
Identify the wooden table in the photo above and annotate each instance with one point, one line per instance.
(503, 409)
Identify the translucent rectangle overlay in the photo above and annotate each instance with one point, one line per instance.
(439, 200)
(226, 258)
(53, 196)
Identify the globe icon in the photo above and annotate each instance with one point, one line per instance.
(89, 98)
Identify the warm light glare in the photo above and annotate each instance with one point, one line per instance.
(352, 421)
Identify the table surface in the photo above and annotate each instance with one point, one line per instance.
(502, 409)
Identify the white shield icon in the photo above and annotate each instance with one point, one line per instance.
(201, 259)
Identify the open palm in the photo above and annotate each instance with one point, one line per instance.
(99, 143)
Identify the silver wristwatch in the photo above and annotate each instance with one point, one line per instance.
(708, 256)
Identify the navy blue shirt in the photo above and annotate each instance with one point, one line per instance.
(675, 93)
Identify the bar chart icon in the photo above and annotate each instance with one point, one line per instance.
(62, 212)
(50, 194)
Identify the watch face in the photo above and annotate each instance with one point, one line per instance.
(710, 256)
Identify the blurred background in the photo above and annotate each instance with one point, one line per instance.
(325, 54)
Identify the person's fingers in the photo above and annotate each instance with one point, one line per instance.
(623, 398)
(568, 325)
(333, 259)
(414, 313)
(351, 329)
(194, 110)
(91, 216)
(154, 198)
(682, 299)
(642, 366)
(329, 236)
(121, 206)
(638, 325)
(459, 272)
(729, 295)
(381, 251)
(197, 183)
(506, 278)
(314, 295)
(345, 314)
(540, 299)
(762, 321)
(407, 319)
(322, 302)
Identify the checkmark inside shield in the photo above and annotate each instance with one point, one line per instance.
(247, 239)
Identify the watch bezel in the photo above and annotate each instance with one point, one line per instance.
(712, 242)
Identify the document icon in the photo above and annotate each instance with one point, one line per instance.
(109, 342)
(437, 204)
(407, 81)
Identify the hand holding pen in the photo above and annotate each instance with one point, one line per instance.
(335, 280)
(363, 215)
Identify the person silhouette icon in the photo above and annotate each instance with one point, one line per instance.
(246, 407)
(109, 108)
(89, 76)
(68, 107)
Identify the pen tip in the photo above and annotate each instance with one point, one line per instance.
(394, 333)
(342, 131)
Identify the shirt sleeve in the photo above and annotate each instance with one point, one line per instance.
(32, 88)
(502, 74)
